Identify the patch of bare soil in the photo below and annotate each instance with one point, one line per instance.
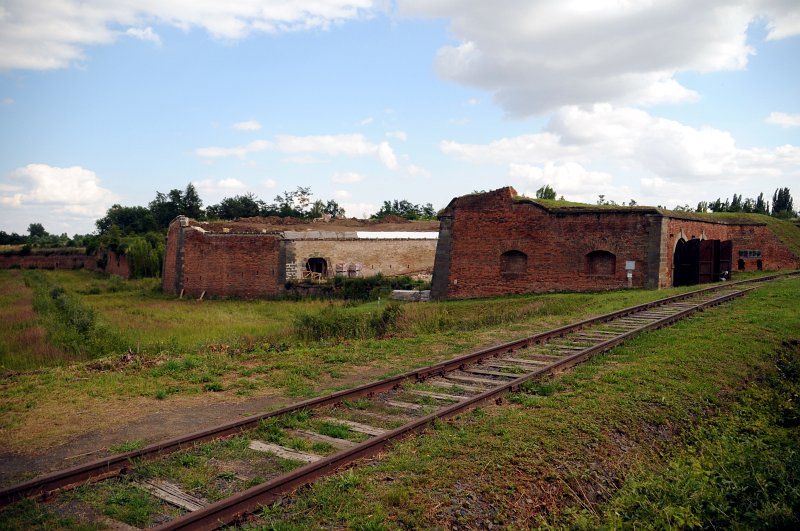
(168, 421)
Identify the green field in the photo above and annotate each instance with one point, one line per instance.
(579, 450)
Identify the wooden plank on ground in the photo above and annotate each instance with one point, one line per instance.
(318, 437)
(487, 372)
(472, 379)
(356, 426)
(172, 494)
(457, 386)
(284, 452)
(539, 363)
(403, 405)
(437, 396)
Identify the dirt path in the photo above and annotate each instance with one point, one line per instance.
(167, 422)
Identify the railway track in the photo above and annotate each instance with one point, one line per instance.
(318, 436)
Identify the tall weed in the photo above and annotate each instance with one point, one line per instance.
(335, 322)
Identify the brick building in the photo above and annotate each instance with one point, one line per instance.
(498, 243)
(255, 257)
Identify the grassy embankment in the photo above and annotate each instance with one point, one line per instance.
(189, 352)
(694, 425)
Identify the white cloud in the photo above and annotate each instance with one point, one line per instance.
(365, 121)
(398, 135)
(359, 210)
(538, 56)
(74, 190)
(270, 184)
(144, 34)
(473, 101)
(387, 156)
(342, 194)
(347, 177)
(213, 190)
(334, 145)
(588, 146)
(783, 119)
(249, 125)
(237, 151)
(416, 171)
(7, 101)
(569, 178)
(43, 35)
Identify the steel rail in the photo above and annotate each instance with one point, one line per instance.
(233, 508)
(99, 469)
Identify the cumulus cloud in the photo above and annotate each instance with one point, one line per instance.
(397, 135)
(416, 171)
(270, 184)
(359, 210)
(236, 151)
(249, 125)
(334, 145)
(538, 56)
(144, 34)
(783, 119)
(53, 34)
(626, 141)
(213, 190)
(347, 177)
(74, 190)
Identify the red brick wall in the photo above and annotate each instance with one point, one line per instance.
(484, 227)
(169, 274)
(116, 265)
(241, 265)
(476, 230)
(774, 255)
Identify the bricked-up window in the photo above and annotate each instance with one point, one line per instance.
(601, 263)
(513, 264)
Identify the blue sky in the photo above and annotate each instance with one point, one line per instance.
(663, 102)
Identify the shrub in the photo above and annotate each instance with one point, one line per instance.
(336, 322)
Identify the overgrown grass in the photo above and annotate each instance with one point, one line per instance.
(555, 453)
(741, 469)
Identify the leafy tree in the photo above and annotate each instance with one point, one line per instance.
(405, 209)
(239, 206)
(761, 206)
(545, 192)
(129, 220)
(144, 259)
(192, 205)
(320, 208)
(36, 230)
(782, 203)
(166, 207)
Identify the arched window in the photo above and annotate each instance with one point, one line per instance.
(601, 263)
(513, 264)
(317, 265)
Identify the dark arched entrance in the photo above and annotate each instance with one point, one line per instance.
(685, 263)
(317, 265)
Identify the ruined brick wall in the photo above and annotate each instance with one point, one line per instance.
(53, 261)
(479, 229)
(115, 265)
(240, 265)
(363, 257)
(170, 278)
(745, 236)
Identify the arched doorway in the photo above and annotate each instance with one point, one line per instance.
(685, 263)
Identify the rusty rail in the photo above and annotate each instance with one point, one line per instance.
(106, 467)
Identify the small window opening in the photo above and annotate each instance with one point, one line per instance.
(513, 264)
(601, 263)
(740, 264)
(759, 265)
